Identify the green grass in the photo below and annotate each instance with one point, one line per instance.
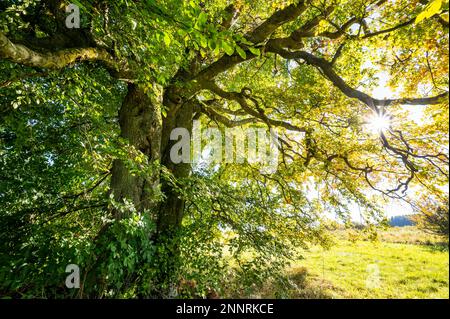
(372, 270)
(402, 263)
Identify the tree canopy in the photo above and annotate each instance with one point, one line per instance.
(356, 89)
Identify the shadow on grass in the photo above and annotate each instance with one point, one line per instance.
(297, 284)
(438, 247)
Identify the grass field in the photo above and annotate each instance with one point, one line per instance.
(415, 268)
(377, 270)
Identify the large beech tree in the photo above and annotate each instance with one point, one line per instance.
(86, 117)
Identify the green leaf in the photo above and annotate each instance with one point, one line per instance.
(255, 51)
(245, 41)
(203, 42)
(228, 48)
(212, 44)
(241, 52)
(167, 39)
(202, 19)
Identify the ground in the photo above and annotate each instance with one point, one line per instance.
(401, 263)
(381, 270)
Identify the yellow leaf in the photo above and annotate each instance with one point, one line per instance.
(433, 8)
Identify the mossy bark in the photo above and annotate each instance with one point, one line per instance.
(141, 125)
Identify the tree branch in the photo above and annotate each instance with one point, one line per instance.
(21, 54)
(280, 17)
(328, 71)
(398, 26)
(241, 98)
(258, 35)
(215, 116)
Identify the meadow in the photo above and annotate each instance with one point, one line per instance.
(401, 263)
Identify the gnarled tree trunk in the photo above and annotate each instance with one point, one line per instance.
(140, 124)
(171, 210)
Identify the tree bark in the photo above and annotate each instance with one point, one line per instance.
(171, 209)
(140, 124)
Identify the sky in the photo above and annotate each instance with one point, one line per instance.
(383, 91)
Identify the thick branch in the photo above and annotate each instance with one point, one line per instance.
(280, 17)
(307, 30)
(258, 35)
(373, 103)
(231, 12)
(52, 60)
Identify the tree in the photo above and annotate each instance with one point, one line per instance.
(401, 221)
(433, 216)
(301, 67)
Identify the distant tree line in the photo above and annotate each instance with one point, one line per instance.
(401, 221)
